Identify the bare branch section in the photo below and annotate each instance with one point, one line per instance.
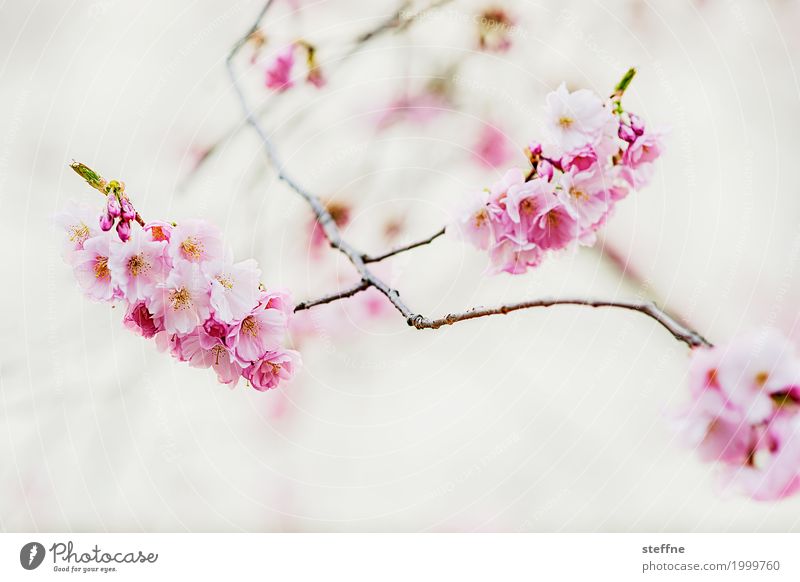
(404, 248)
(362, 286)
(678, 331)
(360, 259)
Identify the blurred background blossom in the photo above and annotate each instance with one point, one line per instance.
(551, 420)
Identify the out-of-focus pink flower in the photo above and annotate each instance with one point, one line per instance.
(139, 320)
(183, 300)
(234, 288)
(495, 28)
(279, 72)
(138, 265)
(259, 332)
(745, 413)
(492, 148)
(575, 119)
(419, 109)
(272, 368)
(195, 241)
(340, 212)
(91, 268)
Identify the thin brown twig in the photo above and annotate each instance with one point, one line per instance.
(369, 279)
(404, 248)
(362, 286)
(678, 331)
(395, 22)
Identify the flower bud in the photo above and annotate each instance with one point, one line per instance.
(637, 125)
(545, 170)
(128, 212)
(106, 222)
(626, 133)
(124, 230)
(112, 206)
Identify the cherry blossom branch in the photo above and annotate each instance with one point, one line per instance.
(404, 248)
(362, 286)
(369, 279)
(681, 333)
(400, 20)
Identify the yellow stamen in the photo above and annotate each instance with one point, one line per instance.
(137, 264)
(565, 122)
(192, 248)
(250, 326)
(78, 233)
(101, 268)
(225, 281)
(180, 299)
(578, 194)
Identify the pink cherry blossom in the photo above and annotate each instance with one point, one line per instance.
(183, 300)
(745, 413)
(158, 230)
(234, 288)
(582, 159)
(493, 148)
(260, 331)
(575, 119)
(554, 227)
(138, 265)
(279, 73)
(272, 368)
(79, 222)
(190, 348)
(474, 224)
(91, 268)
(586, 196)
(513, 257)
(139, 320)
(195, 241)
(638, 158)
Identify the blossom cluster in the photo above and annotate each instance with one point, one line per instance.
(593, 155)
(745, 413)
(180, 286)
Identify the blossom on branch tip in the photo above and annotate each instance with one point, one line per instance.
(576, 177)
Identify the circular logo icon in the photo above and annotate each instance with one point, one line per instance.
(31, 555)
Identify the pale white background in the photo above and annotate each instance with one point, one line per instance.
(550, 420)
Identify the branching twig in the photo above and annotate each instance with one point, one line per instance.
(369, 279)
(362, 286)
(404, 248)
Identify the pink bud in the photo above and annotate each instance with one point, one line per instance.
(113, 207)
(106, 222)
(545, 170)
(626, 133)
(637, 125)
(124, 230)
(128, 212)
(535, 148)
